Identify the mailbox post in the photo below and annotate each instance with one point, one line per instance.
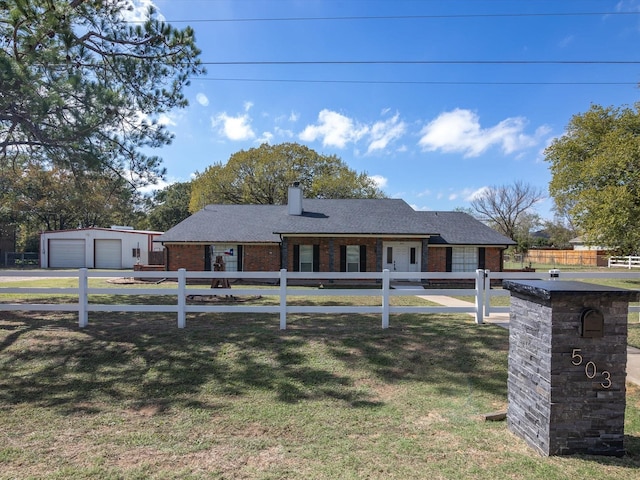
(567, 366)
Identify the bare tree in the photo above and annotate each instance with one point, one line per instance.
(506, 206)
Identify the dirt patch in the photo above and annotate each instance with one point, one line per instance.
(221, 298)
(132, 281)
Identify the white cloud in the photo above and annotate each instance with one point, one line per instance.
(167, 120)
(283, 132)
(379, 180)
(234, 128)
(459, 131)
(625, 5)
(248, 106)
(137, 10)
(566, 41)
(473, 194)
(420, 209)
(202, 99)
(383, 133)
(265, 138)
(294, 117)
(335, 130)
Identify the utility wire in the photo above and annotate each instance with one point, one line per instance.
(424, 62)
(407, 82)
(394, 17)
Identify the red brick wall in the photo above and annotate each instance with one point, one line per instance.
(493, 259)
(437, 259)
(267, 257)
(187, 256)
(261, 258)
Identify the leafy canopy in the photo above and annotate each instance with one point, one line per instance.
(83, 89)
(168, 207)
(263, 175)
(39, 199)
(595, 170)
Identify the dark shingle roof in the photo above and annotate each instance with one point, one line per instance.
(459, 228)
(353, 217)
(228, 224)
(266, 223)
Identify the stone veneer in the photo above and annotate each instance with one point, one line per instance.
(567, 391)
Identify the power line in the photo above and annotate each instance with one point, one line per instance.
(395, 17)
(408, 82)
(423, 62)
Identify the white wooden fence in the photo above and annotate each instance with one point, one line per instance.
(627, 262)
(554, 274)
(281, 289)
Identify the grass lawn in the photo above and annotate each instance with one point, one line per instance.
(231, 396)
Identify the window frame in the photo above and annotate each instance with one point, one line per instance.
(464, 259)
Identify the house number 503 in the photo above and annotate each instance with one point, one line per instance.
(590, 368)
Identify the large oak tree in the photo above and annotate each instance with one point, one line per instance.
(262, 176)
(595, 170)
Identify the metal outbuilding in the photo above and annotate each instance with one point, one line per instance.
(110, 248)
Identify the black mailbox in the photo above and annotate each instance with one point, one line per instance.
(592, 323)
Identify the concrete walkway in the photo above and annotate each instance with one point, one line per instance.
(502, 320)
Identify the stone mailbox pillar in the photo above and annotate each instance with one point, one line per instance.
(567, 366)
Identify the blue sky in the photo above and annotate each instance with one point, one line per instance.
(477, 91)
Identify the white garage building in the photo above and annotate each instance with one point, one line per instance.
(109, 248)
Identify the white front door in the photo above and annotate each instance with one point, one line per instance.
(401, 256)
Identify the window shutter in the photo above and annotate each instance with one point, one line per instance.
(316, 258)
(448, 260)
(481, 258)
(240, 258)
(296, 258)
(363, 258)
(207, 258)
(343, 258)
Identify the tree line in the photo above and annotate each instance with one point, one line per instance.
(82, 91)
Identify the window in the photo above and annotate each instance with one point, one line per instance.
(306, 258)
(230, 255)
(353, 258)
(412, 256)
(389, 254)
(136, 252)
(464, 259)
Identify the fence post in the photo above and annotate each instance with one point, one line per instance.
(479, 295)
(283, 299)
(182, 297)
(487, 293)
(83, 298)
(385, 297)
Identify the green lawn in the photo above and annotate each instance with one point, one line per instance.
(232, 396)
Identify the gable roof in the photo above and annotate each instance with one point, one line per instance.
(268, 223)
(459, 228)
(228, 224)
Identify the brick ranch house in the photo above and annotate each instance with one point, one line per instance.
(322, 235)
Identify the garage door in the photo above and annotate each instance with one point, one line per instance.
(67, 253)
(108, 253)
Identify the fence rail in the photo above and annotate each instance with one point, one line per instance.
(382, 286)
(627, 262)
